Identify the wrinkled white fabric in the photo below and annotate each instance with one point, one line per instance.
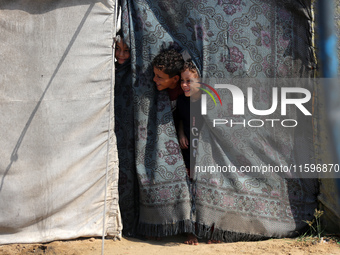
(56, 117)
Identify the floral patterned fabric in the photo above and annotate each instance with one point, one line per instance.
(253, 203)
(226, 39)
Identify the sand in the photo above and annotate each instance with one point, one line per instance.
(174, 245)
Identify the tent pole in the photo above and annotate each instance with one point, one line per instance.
(329, 70)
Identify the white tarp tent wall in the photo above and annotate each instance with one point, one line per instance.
(58, 159)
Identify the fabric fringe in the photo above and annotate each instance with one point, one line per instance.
(212, 233)
(200, 230)
(168, 229)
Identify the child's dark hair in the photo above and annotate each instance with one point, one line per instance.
(170, 62)
(189, 65)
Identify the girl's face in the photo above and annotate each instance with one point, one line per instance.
(122, 52)
(189, 83)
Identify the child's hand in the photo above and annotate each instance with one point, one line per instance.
(183, 142)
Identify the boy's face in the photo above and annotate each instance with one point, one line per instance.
(122, 52)
(189, 83)
(163, 81)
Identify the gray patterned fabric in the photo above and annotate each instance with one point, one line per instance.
(226, 39)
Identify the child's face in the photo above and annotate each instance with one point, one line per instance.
(163, 81)
(122, 52)
(189, 83)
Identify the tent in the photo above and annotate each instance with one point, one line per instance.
(59, 160)
(58, 155)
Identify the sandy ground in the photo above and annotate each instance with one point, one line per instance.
(174, 245)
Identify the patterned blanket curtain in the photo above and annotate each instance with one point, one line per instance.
(226, 39)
